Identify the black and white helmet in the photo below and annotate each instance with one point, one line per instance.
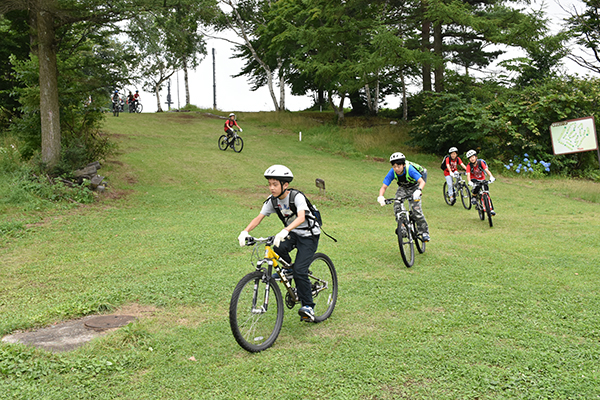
(232, 115)
(471, 153)
(279, 172)
(397, 158)
(452, 150)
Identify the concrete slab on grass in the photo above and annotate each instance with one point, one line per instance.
(67, 335)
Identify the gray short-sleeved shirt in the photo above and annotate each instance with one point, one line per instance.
(284, 206)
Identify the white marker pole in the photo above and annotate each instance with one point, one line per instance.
(300, 136)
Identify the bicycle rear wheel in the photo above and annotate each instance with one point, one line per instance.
(139, 108)
(465, 197)
(238, 144)
(488, 208)
(254, 323)
(324, 285)
(446, 197)
(223, 142)
(406, 244)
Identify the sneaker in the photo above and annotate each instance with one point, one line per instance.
(426, 237)
(306, 313)
(493, 212)
(473, 200)
(451, 198)
(288, 272)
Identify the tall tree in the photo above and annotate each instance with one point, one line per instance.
(245, 18)
(46, 17)
(584, 25)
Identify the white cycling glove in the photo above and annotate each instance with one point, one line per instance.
(241, 130)
(280, 237)
(471, 183)
(456, 174)
(492, 179)
(417, 194)
(242, 238)
(381, 200)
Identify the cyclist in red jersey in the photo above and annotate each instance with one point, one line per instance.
(229, 124)
(452, 163)
(476, 171)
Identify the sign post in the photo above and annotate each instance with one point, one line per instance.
(574, 136)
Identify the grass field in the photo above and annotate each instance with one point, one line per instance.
(511, 311)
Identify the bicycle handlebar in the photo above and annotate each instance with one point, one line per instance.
(400, 200)
(251, 241)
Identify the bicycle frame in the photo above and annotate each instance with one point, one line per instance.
(272, 261)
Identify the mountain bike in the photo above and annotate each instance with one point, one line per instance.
(460, 187)
(137, 107)
(234, 141)
(483, 202)
(408, 237)
(256, 307)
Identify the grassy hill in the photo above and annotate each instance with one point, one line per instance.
(511, 311)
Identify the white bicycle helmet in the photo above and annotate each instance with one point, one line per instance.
(232, 115)
(279, 172)
(471, 153)
(452, 150)
(397, 158)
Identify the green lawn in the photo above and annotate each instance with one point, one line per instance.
(511, 311)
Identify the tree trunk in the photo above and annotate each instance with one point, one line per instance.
(425, 45)
(281, 88)
(339, 112)
(404, 102)
(49, 107)
(157, 93)
(437, 50)
(187, 84)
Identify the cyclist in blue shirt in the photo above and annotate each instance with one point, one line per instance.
(410, 183)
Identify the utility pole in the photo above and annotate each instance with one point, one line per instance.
(214, 81)
(169, 102)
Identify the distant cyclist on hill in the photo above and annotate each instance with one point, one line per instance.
(229, 124)
(410, 184)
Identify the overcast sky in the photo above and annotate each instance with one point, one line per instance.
(234, 94)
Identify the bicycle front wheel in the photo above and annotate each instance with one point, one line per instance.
(446, 196)
(465, 197)
(256, 312)
(488, 209)
(324, 285)
(406, 244)
(419, 242)
(238, 144)
(139, 108)
(480, 209)
(223, 142)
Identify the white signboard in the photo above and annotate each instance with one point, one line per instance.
(574, 136)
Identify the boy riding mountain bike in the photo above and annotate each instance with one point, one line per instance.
(476, 171)
(452, 161)
(410, 183)
(229, 124)
(301, 231)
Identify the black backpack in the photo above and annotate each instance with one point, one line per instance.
(443, 166)
(312, 220)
